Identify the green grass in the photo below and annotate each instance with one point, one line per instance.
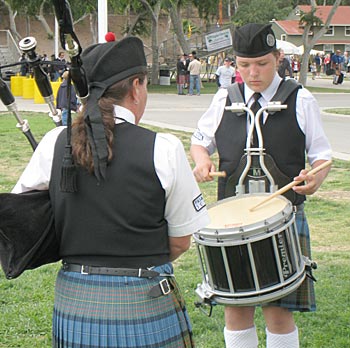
(26, 303)
(340, 111)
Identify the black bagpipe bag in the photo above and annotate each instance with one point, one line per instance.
(27, 232)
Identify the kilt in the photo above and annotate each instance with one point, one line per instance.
(302, 299)
(101, 311)
(181, 79)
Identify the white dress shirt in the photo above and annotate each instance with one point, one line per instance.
(184, 209)
(307, 113)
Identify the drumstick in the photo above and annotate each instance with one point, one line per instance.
(219, 174)
(291, 184)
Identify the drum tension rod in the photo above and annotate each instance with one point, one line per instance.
(205, 304)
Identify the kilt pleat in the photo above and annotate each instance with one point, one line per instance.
(303, 299)
(93, 311)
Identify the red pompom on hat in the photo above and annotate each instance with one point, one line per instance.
(109, 37)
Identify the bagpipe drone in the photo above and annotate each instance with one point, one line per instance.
(27, 234)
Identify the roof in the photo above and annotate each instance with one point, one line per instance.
(340, 17)
(290, 27)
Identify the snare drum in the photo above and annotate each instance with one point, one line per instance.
(249, 257)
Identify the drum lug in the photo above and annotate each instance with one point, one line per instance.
(205, 303)
(206, 306)
(309, 266)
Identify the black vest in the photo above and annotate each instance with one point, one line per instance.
(283, 140)
(119, 222)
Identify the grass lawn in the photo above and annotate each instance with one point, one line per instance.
(26, 303)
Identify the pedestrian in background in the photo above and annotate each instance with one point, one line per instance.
(284, 65)
(181, 72)
(225, 74)
(194, 68)
(62, 98)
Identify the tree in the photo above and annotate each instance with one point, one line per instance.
(12, 15)
(270, 9)
(314, 29)
(153, 7)
(174, 8)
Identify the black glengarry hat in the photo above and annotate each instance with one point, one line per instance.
(253, 40)
(106, 64)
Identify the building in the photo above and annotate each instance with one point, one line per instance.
(337, 36)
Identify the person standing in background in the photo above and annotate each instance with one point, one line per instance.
(181, 72)
(284, 65)
(225, 74)
(295, 67)
(318, 62)
(62, 98)
(194, 68)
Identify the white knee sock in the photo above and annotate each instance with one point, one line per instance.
(290, 340)
(241, 339)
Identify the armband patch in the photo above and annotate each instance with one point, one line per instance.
(199, 203)
(198, 135)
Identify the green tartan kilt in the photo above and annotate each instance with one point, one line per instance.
(104, 311)
(302, 299)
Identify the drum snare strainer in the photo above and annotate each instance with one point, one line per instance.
(249, 257)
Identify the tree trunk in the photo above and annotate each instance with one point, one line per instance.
(309, 43)
(176, 19)
(154, 13)
(12, 22)
(93, 27)
(41, 18)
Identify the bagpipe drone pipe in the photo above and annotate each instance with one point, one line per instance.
(28, 237)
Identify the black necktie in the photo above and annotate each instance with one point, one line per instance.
(255, 108)
(256, 105)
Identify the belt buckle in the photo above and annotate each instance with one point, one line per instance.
(82, 270)
(164, 286)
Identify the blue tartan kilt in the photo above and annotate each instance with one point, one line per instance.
(302, 299)
(101, 311)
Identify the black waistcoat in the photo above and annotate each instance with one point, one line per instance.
(283, 140)
(119, 222)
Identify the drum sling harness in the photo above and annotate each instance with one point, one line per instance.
(257, 181)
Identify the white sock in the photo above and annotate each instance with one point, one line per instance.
(241, 339)
(290, 340)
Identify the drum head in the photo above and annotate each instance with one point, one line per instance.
(234, 213)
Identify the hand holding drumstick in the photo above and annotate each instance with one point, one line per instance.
(218, 174)
(303, 176)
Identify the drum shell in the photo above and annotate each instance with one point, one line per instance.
(251, 264)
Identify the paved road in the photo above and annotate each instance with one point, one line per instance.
(183, 112)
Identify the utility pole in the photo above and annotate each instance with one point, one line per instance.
(102, 18)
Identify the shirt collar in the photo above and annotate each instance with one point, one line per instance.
(268, 93)
(124, 114)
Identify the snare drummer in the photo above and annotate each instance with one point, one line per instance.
(288, 135)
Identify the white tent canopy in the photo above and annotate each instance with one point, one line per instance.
(287, 47)
(312, 52)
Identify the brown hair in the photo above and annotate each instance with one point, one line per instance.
(114, 95)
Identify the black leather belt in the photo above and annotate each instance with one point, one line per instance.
(126, 272)
(163, 288)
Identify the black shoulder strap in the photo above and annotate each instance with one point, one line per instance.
(236, 94)
(285, 89)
